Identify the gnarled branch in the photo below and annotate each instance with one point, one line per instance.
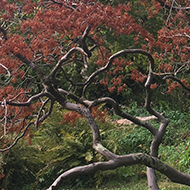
(126, 160)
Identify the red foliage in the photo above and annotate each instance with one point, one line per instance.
(104, 81)
(2, 175)
(172, 86)
(152, 86)
(43, 32)
(111, 89)
(72, 116)
(137, 76)
(99, 115)
(8, 8)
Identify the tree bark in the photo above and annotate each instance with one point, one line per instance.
(151, 177)
(126, 160)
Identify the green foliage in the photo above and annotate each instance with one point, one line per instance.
(19, 166)
(178, 127)
(177, 156)
(134, 108)
(57, 147)
(177, 100)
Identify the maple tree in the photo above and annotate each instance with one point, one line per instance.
(60, 51)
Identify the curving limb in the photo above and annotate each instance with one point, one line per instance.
(40, 117)
(4, 32)
(114, 161)
(44, 115)
(47, 38)
(157, 138)
(119, 112)
(30, 100)
(110, 61)
(52, 94)
(61, 61)
(83, 41)
(19, 136)
(9, 74)
(114, 104)
(177, 80)
(125, 160)
(161, 131)
(157, 134)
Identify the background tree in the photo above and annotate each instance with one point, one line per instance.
(68, 51)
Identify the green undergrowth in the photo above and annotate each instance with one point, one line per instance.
(133, 184)
(58, 146)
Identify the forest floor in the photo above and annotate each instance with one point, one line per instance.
(141, 184)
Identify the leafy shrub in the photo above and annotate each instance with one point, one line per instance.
(61, 144)
(56, 147)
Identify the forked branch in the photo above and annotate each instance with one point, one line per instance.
(30, 100)
(126, 160)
